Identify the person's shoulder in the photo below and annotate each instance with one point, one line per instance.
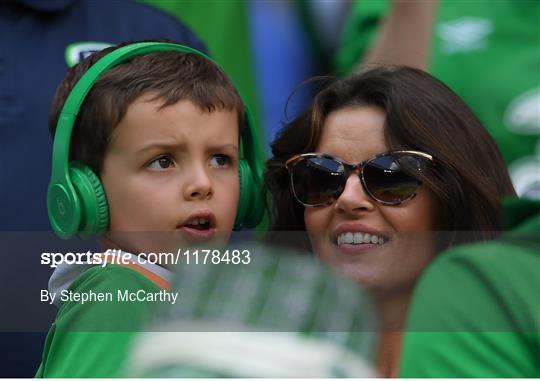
(137, 9)
(138, 20)
(500, 258)
(475, 301)
(480, 286)
(95, 324)
(125, 8)
(111, 276)
(96, 300)
(492, 263)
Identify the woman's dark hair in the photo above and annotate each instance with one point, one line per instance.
(469, 177)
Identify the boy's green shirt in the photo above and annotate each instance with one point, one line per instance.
(94, 338)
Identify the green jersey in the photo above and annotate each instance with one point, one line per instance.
(476, 310)
(101, 311)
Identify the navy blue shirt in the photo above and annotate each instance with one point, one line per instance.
(34, 36)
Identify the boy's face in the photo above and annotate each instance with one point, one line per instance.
(173, 169)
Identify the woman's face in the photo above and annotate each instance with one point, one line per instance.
(355, 134)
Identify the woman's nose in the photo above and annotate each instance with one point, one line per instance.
(354, 198)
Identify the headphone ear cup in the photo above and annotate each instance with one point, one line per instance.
(250, 210)
(94, 207)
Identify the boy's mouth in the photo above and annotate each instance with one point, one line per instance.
(199, 226)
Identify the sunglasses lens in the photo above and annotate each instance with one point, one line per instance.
(317, 180)
(393, 178)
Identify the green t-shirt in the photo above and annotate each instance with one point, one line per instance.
(92, 339)
(476, 310)
(488, 53)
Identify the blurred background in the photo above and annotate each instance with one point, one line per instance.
(486, 51)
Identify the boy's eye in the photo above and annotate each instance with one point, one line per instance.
(160, 163)
(220, 161)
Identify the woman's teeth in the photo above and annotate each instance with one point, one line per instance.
(359, 238)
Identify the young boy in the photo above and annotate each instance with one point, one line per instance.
(161, 132)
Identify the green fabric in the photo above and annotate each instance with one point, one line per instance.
(358, 33)
(476, 310)
(488, 53)
(223, 27)
(93, 339)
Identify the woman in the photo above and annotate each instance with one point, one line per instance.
(377, 164)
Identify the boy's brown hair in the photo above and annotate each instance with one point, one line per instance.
(173, 76)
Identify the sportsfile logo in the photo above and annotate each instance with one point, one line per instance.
(109, 257)
(119, 257)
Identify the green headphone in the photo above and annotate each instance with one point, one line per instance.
(76, 201)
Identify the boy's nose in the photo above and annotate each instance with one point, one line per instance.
(199, 186)
(354, 198)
